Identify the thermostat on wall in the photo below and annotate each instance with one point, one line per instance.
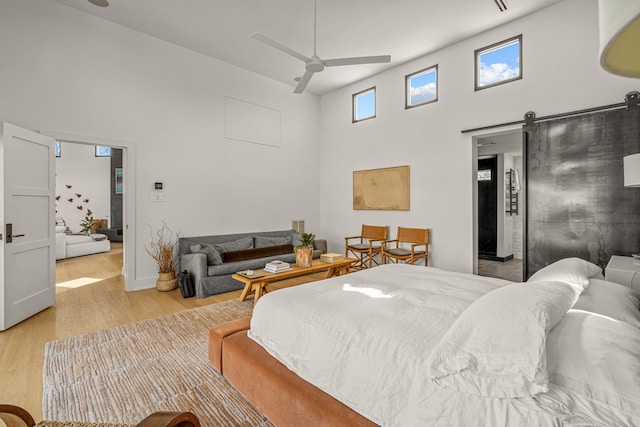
(158, 186)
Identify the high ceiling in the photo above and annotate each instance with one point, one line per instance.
(404, 29)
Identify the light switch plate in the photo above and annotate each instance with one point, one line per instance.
(157, 197)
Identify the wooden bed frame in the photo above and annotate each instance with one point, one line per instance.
(278, 393)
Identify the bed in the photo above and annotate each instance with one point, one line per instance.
(401, 345)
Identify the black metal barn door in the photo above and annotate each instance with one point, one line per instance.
(577, 205)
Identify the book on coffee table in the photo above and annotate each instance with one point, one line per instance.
(277, 266)
(331, 257)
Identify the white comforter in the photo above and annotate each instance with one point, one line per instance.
(366, 339)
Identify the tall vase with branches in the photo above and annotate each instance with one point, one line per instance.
(162, 249)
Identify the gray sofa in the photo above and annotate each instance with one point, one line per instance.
(211, 260)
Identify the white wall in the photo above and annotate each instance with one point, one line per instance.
(89, 176)
(67, 71)
(561, 73)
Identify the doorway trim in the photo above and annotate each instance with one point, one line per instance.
(129, 200)
(475, 136)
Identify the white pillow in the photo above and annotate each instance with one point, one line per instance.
(594, 368)
(611, 300)
(496, 347)
(574, 271)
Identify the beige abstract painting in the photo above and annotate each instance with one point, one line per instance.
(382, 189)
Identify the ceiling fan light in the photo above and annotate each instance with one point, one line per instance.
(502, 6)
(99, 3)
(620, 36)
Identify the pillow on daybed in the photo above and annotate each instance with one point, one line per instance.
(496, 347)
(574, 271)
(611, 300)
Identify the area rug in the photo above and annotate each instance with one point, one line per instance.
(122, 374)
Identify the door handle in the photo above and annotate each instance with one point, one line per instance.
(10, 234)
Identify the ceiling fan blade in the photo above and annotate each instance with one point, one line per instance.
(302, 84)
(281, 47)
(357, 60)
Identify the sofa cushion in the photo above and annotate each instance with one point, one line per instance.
(213, 256)
(258, 252)
(264, 242)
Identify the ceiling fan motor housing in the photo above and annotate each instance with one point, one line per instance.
(315, 65)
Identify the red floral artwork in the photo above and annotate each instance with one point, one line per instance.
(70, 200)
(89, 213)
(86, 200)
(68, 186)
(79, 207)
(78, 195)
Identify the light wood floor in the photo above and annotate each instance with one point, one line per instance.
(89, 296)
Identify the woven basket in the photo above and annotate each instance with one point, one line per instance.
(167, 281)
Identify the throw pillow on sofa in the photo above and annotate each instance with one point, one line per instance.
(265, 242)
(213, 256)
(236, 245)
(213, 251)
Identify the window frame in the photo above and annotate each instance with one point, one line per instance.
(57, 148)
(492, 47)
(407, 86)
(354, 104)
(102, 155)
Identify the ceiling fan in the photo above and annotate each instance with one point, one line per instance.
(315, 64)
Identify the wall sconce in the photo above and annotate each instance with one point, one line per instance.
(620, 36)
(632, 170)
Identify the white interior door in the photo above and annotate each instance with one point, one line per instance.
(27, 192)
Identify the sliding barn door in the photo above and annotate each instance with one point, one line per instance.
(577, 205)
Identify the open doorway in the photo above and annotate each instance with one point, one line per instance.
(499, 210)
(89, 213)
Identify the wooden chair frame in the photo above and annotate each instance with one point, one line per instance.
(416, 238)
(368, 246)
(156, 419)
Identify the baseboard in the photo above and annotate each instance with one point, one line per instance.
(494, 257)
(140, 284)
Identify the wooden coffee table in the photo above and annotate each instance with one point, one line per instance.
(260, 285)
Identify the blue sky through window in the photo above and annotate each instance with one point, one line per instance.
(58, 149)
(499, 63)
(102, 151)
(422, 87)
(365, 105)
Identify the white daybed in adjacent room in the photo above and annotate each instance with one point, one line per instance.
(74, 245)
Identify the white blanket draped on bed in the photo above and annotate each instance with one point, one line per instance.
(366, 338)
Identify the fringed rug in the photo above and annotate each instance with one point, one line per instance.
(122, 374)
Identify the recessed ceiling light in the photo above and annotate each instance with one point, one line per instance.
(101, 3)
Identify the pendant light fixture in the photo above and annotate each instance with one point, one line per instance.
(620, 36)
